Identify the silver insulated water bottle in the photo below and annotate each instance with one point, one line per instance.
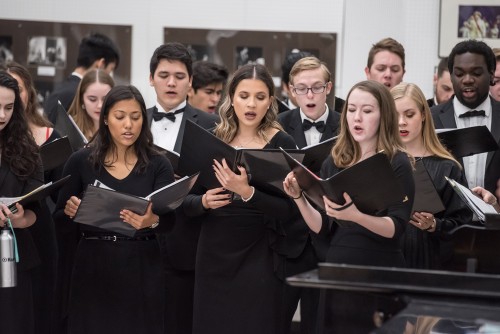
(8, 273)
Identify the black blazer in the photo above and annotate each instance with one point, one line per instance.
(292, 124)
(297, 231)
(179, 246)
(64, 92)
(444, 117)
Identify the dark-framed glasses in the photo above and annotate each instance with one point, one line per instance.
(314, 89)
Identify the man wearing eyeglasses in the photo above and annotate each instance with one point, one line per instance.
(309, 124)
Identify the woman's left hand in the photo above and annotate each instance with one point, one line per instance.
(232, 181)
(138, 221)
(348, 211)
(424, 221)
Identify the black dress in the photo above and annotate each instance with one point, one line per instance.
(351, 312)
(425, 250)
(237, 288)
(116, 286)
(18, 309)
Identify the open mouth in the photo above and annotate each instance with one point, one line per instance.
(311, 105)
(403, 133)
(468, 92)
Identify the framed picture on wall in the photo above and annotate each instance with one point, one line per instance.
(468, 19)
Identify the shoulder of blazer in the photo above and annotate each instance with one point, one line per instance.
(290, 118)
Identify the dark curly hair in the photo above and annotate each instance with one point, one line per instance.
(18, 147)
(102, 142)
(477, 47)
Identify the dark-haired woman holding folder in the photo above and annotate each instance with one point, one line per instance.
(368, 124)
(426, 244)
(117, 281)
(237, 283)
(20, 173)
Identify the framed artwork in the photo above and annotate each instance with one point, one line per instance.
(49, 50)
(468, 19)
(234, 48)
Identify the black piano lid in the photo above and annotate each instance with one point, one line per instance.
(400, 281)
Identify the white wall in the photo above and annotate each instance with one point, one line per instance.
(358, 23)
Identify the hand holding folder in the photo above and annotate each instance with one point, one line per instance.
(36, 195)
(200, 148)
(101, 207)
(370, 192)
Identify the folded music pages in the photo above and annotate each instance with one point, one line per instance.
(484, 211)
(101, 206)
(200, 148)
(66, 126)
(371, 184)
(55, 153)
(467, 141)
(426, 198)
(35, 195)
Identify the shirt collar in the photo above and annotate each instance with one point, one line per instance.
(180, 106)
(323, 117)
(460, 108)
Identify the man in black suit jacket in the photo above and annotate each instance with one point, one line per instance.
(472, 66)
(311, 123)
(96, 51)
(171, 76)
(443, 88)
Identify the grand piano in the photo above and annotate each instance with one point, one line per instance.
(424, 301)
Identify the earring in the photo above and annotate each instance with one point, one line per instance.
(105, 122)
(83, 106)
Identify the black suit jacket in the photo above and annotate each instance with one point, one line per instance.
(179, 246)
(444, 117)
(64, 92)
(297, 231)
(292, 124)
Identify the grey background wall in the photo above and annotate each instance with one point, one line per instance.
(358, 24)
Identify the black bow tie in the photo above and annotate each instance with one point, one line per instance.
(168, 115)
(472, 113)
(307, 124)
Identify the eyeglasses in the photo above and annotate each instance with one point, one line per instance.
(305, 90)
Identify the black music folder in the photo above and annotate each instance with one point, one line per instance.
(35, 195)
(200, 148)
(371, 184)
(66, 126)
(316, 154)
(485, 212)
(426, 198)
(55, 153)
(100, 206)
(467, 141)
(172, 156)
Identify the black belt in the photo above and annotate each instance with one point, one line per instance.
(116, 237)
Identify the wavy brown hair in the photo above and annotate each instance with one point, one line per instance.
(18, 148)
(228, 127)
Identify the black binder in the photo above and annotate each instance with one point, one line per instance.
(315, 155)
(467, 141)
(427, 198)
(101, 207)
(200, 148)
(66, 126)
(36, 195)
(55, 153)
(172, 156)
(371, 192)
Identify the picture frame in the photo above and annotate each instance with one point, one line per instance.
(461, 20)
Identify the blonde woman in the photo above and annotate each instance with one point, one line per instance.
(426, 243)
(86, 107)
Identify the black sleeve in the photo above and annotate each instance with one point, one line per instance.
(164, 175)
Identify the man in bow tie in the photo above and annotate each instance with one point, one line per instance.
(472, 66)
(171, 76)
(309, 124)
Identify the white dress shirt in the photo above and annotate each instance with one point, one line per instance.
(474, 165)
(313, 136)
(165, 132)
